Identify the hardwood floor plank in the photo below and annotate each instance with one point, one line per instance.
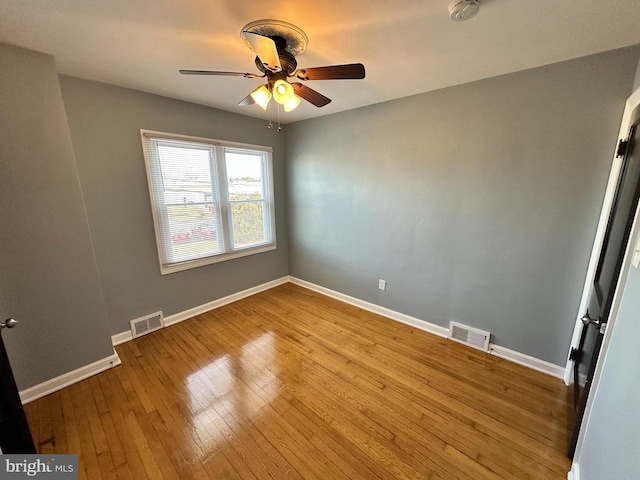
(87, 454)
(68, 415)
(142, 446)
(119, 407)
(290, 384)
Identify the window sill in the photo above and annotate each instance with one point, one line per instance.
(223, 257)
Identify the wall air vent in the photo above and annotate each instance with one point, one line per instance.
(142, 326)
(470, 336)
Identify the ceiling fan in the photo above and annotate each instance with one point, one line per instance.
(276, 44)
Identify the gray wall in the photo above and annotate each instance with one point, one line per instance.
(49, 279)
(476, 203)
(612, 435)
(105, 123)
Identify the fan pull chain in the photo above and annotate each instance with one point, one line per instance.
(279, 127)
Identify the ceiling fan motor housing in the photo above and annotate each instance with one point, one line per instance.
(460, 10)
(287, 62)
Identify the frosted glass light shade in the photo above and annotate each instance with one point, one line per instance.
(261, 96)
(282, 92)
(292, 104)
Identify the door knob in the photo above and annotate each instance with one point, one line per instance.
(8, 323)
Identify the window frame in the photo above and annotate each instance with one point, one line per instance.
(158, 204)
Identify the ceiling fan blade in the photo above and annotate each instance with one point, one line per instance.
(352, 71)
(246, 101)
(265, 49)
(310, 95)
(215, 72)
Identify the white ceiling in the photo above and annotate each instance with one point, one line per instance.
(407, 46)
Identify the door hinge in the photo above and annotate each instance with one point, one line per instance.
(622, 148)
(603, 328)
(574, 354)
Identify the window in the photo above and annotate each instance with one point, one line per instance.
(211, 200)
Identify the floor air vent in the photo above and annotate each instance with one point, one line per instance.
(469, 336)
(144, 325)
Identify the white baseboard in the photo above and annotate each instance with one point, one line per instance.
(574, 473)
(69, 378)
(498, 351)
(371, 307)
(527, 361)
(192, 312)
(126, 336)
(121, 337)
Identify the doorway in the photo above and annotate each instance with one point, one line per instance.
(600, 293)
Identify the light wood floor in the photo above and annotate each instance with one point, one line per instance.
(290, 384)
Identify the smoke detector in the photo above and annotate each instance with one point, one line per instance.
(460, 10)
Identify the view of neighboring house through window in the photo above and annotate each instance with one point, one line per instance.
(211, 200)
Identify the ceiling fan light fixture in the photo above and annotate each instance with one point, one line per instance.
(261, 96)
(282, 92)
(292, 104)
(276, 44)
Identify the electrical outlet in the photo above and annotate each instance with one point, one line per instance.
(382, 284)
